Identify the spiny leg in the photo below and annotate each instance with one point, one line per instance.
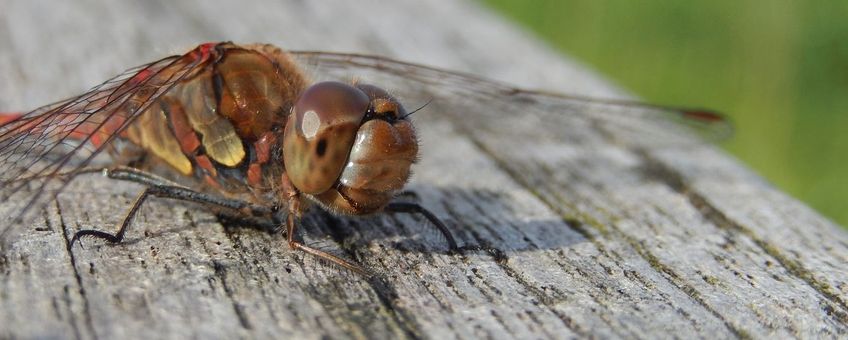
(164, 188)
(292, 196)
(118, 172)
(412, 208)
(119, 236)
(291, 227)
(130, 174)
(165, 191)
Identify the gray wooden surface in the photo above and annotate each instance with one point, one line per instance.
(672, 242)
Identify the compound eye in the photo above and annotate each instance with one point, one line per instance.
(320, 133)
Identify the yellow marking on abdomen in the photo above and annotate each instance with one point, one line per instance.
(151, 132)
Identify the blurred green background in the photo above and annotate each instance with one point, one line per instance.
(778, 68)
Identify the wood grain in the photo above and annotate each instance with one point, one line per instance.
(607, 241)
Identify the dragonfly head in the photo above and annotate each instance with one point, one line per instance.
(349, 147)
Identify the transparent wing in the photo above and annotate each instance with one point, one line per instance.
(42, 150)
(479, 103)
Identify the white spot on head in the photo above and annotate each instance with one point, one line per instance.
(310, 124)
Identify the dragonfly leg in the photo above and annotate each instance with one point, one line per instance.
(172, 192)
(119, 236)
(291, 227)
(412, 208)
(407, 193)
(415, 208)
(292, 196)
(161, 187)
(131, 174)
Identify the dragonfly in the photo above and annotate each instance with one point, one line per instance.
(265, 133)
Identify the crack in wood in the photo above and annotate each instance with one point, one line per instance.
(675, 180)
(671, 276)
(66, 298)
(540, 296)
(680, 283)
(221, 273)
(226, 222)
(385, 292)
(502, 263)
(73, 262)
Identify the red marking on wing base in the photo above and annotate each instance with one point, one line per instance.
(101, 135)
(6, 117)
(140, 76)
(202, 51)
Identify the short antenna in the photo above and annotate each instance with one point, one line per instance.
(418, 109)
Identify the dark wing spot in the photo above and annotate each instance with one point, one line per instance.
(321, 148)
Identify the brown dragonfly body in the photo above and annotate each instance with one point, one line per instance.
(243, 128)
(244, 124)
(226, 125)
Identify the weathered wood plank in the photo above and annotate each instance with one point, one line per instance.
(638, 201)
(600, 238)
